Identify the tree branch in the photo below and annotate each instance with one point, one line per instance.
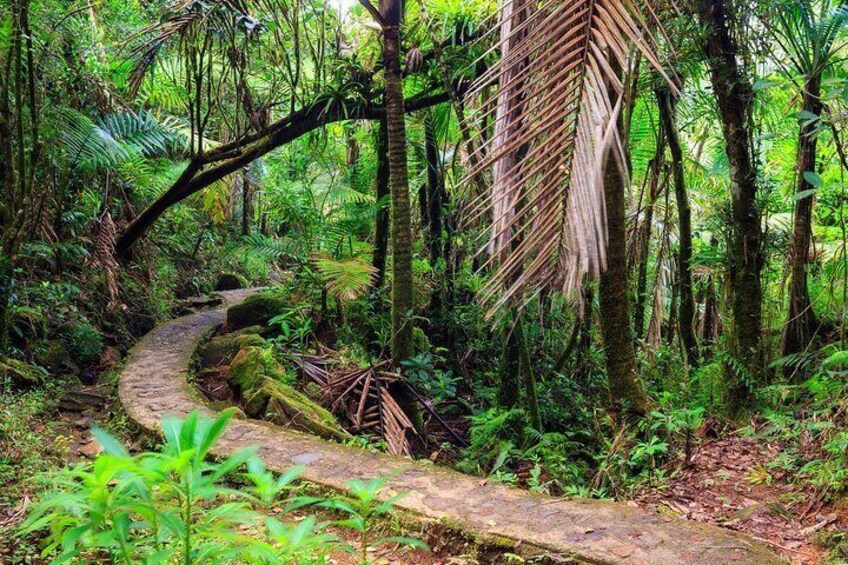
(235, 156)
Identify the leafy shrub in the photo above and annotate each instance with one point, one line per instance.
(84, 340)
(174, 506)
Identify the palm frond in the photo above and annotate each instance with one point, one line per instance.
(556, 107)
(346, 279)
(113, 139)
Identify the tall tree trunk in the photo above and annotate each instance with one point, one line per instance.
(616, 324)
(391, 14)
(625, 388)
(734, 97)
(436, 196)
(399, 185)
(246, 203)
(381, 230)
(435, 190)
(667, 103)
(801, 322)
(656, 186)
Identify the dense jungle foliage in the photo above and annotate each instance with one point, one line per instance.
(580, 241)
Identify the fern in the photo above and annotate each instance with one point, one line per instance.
(273, 248)
(113, 139)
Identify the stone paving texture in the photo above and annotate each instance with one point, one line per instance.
(153, 384)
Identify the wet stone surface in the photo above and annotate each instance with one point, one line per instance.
(153, 384)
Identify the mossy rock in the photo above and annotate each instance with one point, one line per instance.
(281, 404)
(256, 310)
(221, 349)
(261, 382)
(230, 281)
(250, 366)
(248, 330)
(54, 355)
(26, 325)
(20, 373)
(420, 341)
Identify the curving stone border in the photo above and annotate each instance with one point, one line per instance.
(153, 384)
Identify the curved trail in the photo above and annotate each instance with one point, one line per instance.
(153, 384)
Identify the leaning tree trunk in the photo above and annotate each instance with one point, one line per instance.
(667, 103)
(801, 322)
(734, 97)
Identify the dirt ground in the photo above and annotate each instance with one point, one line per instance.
(729, 483)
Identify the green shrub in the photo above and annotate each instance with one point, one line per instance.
(174, 506)
(85, 342)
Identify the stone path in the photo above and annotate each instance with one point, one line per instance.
(153, 384)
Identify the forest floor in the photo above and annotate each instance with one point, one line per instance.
(57, 432)
(730, 483)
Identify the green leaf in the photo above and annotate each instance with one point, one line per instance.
(110, 444)
(813, 178)
(798, 196)
(806, 115)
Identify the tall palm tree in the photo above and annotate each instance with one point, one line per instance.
(389, 16)
(557, 140)
(809, 33)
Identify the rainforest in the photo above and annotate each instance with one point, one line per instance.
(424, 281)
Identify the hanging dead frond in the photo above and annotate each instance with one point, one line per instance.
(104, 256)
(559, 94)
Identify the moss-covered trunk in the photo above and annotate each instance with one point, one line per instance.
(667, 103)
(625, 389)
(801, 322)
(734, 97)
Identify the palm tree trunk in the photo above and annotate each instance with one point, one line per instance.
(801, 322)
(401, 220)
(399, 186)
(381, 230)
(667, 103)
(734, 97)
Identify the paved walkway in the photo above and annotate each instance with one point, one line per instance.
(153, 384)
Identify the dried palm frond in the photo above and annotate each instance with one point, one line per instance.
(361, 397)
(104, 256)
(559, 94)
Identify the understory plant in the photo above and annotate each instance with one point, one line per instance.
(174, 506)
